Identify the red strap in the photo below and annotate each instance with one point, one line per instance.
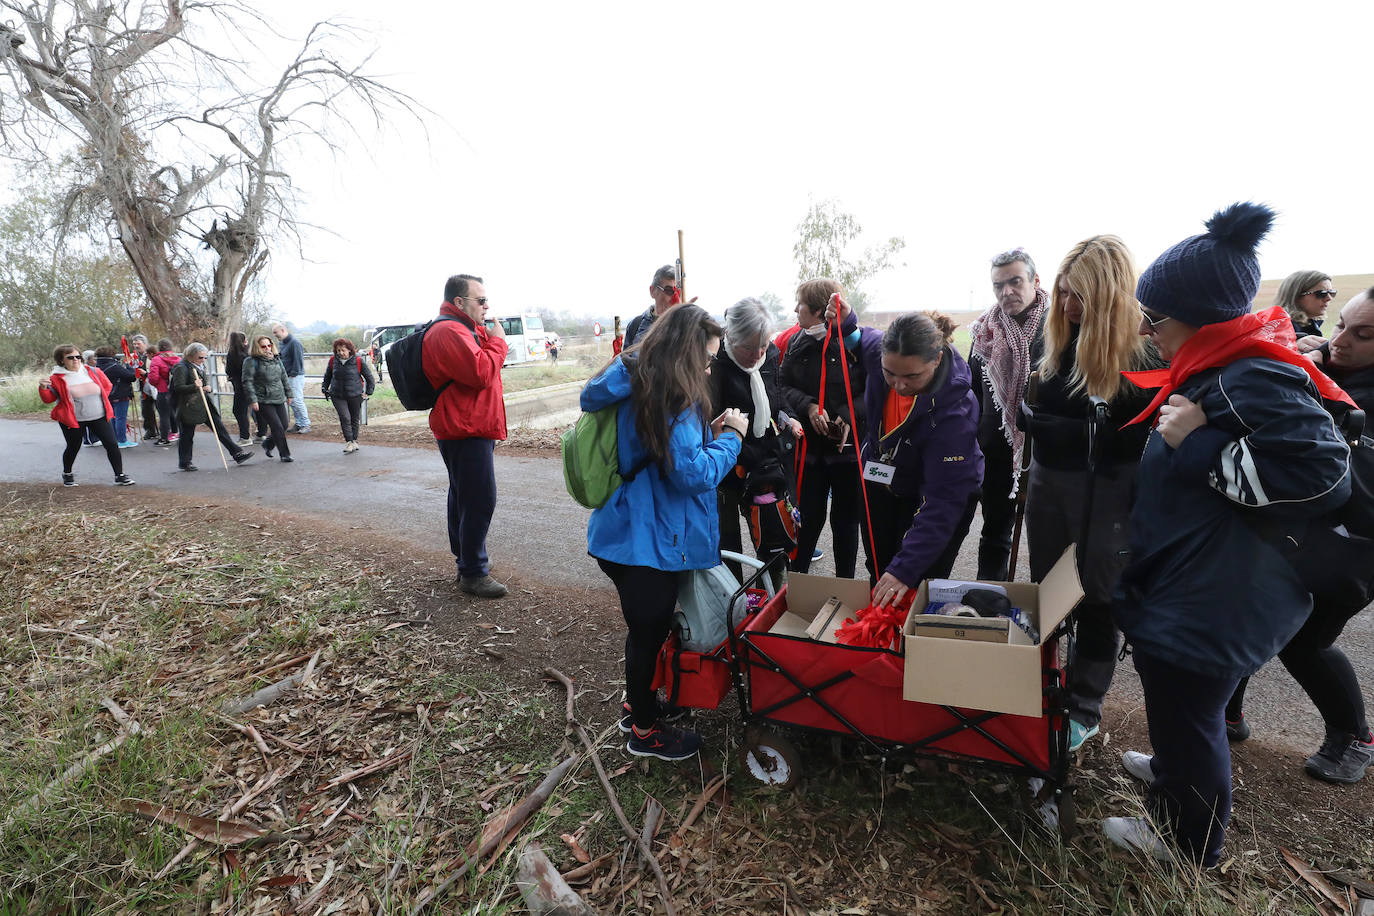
(832, 329)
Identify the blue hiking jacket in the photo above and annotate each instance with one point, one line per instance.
(667, 521)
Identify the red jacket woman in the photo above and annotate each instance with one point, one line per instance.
(81, 398)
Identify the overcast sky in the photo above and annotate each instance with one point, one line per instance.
(569, 142)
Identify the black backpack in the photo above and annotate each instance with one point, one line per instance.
(405, 362)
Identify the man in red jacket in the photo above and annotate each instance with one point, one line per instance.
(462, 359)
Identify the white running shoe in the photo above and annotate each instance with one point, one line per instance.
(1136, 833)
(1138, 765)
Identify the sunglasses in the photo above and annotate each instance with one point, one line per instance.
(75, 356)
(480, 300)
(1154, 321)
(1320, 293)
(666, 290)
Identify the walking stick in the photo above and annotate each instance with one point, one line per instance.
(681, 270)
(209, 417)
(1023, 478)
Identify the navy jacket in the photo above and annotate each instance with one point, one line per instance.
(120, 375)
(934, 453)
(1204, 590)
(667, 521)
(292, 356)
(801, 387)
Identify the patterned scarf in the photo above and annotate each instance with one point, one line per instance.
(1003, 345)
(1261, 334)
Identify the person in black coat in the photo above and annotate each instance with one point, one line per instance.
(1304, 296)
(758, 489)
(830, 472)
(348, 381)
(1242, 455)
(122, 378)
(1312, 657)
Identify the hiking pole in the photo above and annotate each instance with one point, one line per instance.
(1023, 480)
(681, 270)
(210, 418)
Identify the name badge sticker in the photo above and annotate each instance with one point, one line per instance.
(877, 472)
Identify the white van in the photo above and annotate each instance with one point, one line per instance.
(524, 337)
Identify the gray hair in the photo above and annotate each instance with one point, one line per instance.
(193, 350)
(137, 337)
(747, 321)
(1014, 255)
(666, 272)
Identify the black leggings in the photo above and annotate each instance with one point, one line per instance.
(892, 519)
(839, 481)
(240, 409)
(1322, 670)
(275, 417)
(350, 411)
(166, 415)
(100, 429)
(647, 599)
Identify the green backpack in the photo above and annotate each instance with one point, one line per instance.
(591, 458)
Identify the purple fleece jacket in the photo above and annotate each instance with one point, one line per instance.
(935, 454)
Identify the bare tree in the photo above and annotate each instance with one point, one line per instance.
(118, 75)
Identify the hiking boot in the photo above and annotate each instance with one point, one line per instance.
(1079, 734)
(664, 742)
(1238, 730)
(242, 456)
(1138, 765)
(69, 480)
(121, 480)
(189, 467)
(1135, 833)
(482, 586)
(1342, 759)
(666, 713)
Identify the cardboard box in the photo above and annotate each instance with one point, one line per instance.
(988, 663)
(808, 594)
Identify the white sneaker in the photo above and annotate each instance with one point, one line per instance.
(1135, 833)
(244, 443)
(1138, 765)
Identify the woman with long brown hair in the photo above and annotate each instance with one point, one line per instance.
(662, 520)
(1090, 338)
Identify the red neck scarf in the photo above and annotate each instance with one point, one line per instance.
(1267, 334)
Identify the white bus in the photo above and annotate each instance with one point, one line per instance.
(524, 337)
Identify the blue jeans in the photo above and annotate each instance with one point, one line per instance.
(121, 420)
(471, 467)
(298, 402)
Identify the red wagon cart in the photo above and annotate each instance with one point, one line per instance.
(784, 678)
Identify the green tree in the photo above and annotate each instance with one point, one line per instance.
(780, 313)
(62, 285)
(825, 248)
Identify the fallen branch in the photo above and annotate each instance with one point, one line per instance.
(640, 845)
(582, 871)
(79, 637)
(375, 766)
(544, 891)
(34, 801)
(230, 810)
(274, 692)
(712, 787)
(219, 832)
(511, 820)
(1316, 881)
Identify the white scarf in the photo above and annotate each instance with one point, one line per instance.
(762, 413)
(816, 331)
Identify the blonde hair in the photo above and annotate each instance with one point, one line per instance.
(1101, 272)
(1293, 286)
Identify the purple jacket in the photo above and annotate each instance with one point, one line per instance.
(934, 453)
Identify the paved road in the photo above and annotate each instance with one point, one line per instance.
(537, 531)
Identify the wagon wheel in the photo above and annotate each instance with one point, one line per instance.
(1068, 812)
(770, 758)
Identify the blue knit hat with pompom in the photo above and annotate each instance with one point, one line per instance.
(1212, 277)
